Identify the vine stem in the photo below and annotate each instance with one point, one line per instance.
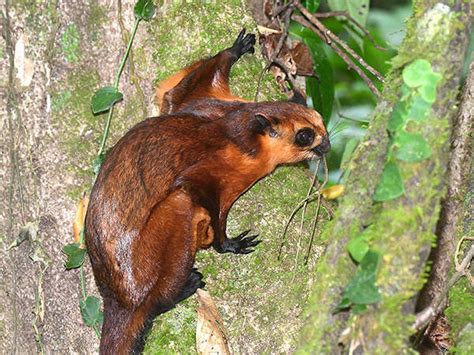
(116, 83)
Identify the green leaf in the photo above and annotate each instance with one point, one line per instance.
(104, 98)
(428, 90)
(390, 185)
(414, 74)
(411, 147)
(345, 303)
(75, 255)
(321, 88)
(359, 308)
(311, 5)
(419, 74)
(358, 10)
(362, 288)
(418, 108)
(144, 9)
(90, 311)
(358, 247)
(398, 117)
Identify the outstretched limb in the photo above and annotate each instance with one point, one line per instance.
(204, 79)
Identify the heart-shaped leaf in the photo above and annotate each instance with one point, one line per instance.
(75, 255)
(415, 74)
(104, 98)
(144, 9)
(411, 147)
(90, 311)
(362, 288)
(358, 247)
(398, 117)
(390, 185)
(419, 108)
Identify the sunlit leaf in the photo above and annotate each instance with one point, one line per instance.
(358, 247)
(75, 255)
(411, 147)
(390, 185)
(90, 311)
(428, 90)
(333, 192)
(414, 74)
(144, 9)
(104, 98)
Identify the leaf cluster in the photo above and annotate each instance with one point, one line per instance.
(418, 95)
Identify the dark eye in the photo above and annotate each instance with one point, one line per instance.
(304, 137)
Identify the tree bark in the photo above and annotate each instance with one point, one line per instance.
(403, 228)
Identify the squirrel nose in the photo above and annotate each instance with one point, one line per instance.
(324, 147)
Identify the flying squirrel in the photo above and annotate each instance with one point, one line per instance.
(165, 189)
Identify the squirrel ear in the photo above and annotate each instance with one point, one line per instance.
(262, 125)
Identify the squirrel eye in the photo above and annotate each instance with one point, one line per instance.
(304, 137)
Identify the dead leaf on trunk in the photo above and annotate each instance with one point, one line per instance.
(211, 337)
(78, 223)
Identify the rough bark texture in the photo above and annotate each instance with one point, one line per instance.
(403, 229)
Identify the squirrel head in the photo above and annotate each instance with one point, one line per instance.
(290, 132)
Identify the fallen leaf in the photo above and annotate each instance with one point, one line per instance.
(211, 336)
(78, 223)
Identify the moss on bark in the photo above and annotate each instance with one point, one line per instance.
(403, 227)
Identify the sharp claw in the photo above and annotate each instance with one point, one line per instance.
(242, 235)
(250, 238)
(253, 244)
(241, 35)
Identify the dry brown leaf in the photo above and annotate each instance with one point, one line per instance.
(78, 223)
(211, 337)
(303, 59)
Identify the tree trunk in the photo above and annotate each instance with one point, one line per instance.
(403, 228)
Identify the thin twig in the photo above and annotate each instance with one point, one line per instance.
(320, 26)
(354, 22)
(301, 20)
(310, 190)
(318, 208)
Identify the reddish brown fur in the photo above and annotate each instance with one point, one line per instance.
(165, 189)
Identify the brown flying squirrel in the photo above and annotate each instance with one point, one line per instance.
(165, 189)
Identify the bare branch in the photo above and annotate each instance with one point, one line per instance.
(328, 34)
(301, 20)
(354, 22)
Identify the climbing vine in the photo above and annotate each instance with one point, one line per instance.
(418, 93)
(102, 101)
